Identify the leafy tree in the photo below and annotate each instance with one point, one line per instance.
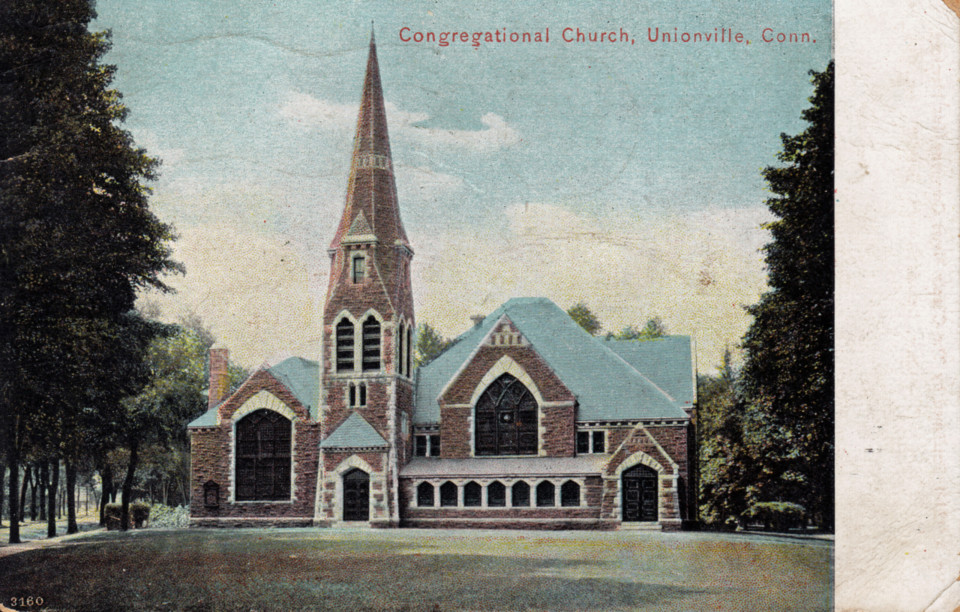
(429, 345)
(77, 239)
(788, 376)
(585, 318)
(651, 331)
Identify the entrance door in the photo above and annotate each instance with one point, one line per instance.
(356, 495)
(639, 486)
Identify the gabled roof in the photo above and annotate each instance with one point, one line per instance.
(300, 376)
(666, 361)
(606, 385)
(355, 432)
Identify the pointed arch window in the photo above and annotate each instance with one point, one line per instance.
(263, 456)
(371, 344)
(409, 350)
(401, 350)
(506, 419)
(345, 343)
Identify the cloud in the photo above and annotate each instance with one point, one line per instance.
(308, 112)
(250, 289)
(694, 271)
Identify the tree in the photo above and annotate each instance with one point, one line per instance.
(651, 331)
(429, 345)
(585, 318)
(788, 376)
(77, 239)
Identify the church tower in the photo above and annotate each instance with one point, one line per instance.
(366, 362)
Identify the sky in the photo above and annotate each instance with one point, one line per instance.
(624, 175)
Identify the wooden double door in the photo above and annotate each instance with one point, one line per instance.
(356, 495)
(639, 487)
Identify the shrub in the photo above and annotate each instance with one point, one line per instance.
(170, 517)
(139, 515)
(778, 516)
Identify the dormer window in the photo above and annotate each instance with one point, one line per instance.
(358, 268)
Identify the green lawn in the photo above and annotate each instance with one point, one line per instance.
(333, 569)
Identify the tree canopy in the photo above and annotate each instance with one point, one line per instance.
(77, 239)
(585, 318)
(787, 381)
(429, 345)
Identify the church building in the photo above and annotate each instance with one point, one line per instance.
(526, 421)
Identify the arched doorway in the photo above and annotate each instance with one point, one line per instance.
(356, 495)
(639, 490)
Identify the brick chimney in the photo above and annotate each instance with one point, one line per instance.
(477, 319)
(219, 376)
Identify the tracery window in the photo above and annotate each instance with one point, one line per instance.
(345, 339)
(263, 456)
(506, 419)
(371, 344)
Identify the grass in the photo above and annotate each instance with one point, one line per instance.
(334, 569)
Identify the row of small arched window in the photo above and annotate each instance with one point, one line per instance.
(346, 341)
(544, 494)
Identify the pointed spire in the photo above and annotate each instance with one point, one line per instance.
(371, 187)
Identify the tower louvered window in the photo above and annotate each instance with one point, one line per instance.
(371, 344)
(409, 351)
(506, 419)
(345, 339)
(402, 355)
(263, 456)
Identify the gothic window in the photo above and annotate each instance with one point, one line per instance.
(371, 344)
(506, 419)
(570, 494)
(545, 493)
(409, 351)
(359, 269)
(425, 494)
(401, 356)
(448, 494)
(472, 494)
(521, 494)
(345, 333)
(263, 456)
(496, 495)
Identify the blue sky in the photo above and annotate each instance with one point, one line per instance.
(625, 175)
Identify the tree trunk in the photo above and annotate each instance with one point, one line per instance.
(52, 498)
(34, 477)
(106, 475)
(23, 494)
(12, 463)
(71, 496)
(3, 473)
(128, 487)
(44, 480)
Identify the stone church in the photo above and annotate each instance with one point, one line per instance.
(526, 421)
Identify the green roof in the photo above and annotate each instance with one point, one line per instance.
(355, 432)
(300, 376)
(607, 386)
(666, 361)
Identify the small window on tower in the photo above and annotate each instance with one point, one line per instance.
(359, 268)
(362, 392)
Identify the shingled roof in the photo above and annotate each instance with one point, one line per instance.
(608, 386)
(354, 432)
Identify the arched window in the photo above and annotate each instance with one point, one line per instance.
(401, 354)
(371, 344)
(472, 494)
(448, 494)
(345, 333)
(496, 495)
(409, 351)
(506, 419)
(425, 494)
(545, 493)
(570, 494)
(263, 456)
(520, 494)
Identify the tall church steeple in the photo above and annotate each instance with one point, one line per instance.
(368, 323)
